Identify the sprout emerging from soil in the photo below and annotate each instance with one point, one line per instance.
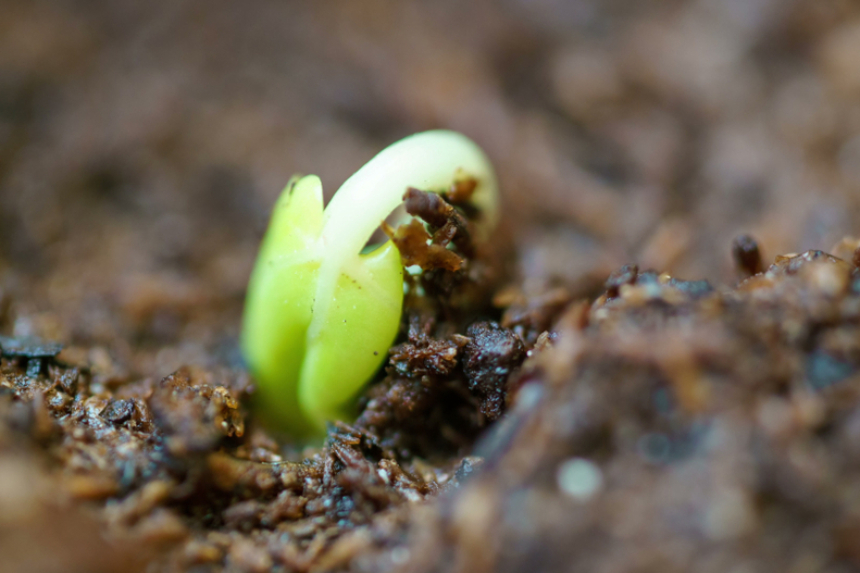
(322, 308)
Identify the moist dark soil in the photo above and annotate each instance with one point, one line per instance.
(665, 421)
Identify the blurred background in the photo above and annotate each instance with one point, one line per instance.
(142, 144)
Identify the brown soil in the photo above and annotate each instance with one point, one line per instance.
(551, 404)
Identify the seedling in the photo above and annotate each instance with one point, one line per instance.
(323, 308)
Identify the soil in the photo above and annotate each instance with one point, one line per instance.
(637, 373)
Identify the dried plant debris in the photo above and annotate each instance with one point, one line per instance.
(448, 224)
(417, 247)
(456, 272)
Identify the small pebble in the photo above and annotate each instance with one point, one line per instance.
(579, 479)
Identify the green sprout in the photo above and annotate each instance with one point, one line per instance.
(322, 307)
